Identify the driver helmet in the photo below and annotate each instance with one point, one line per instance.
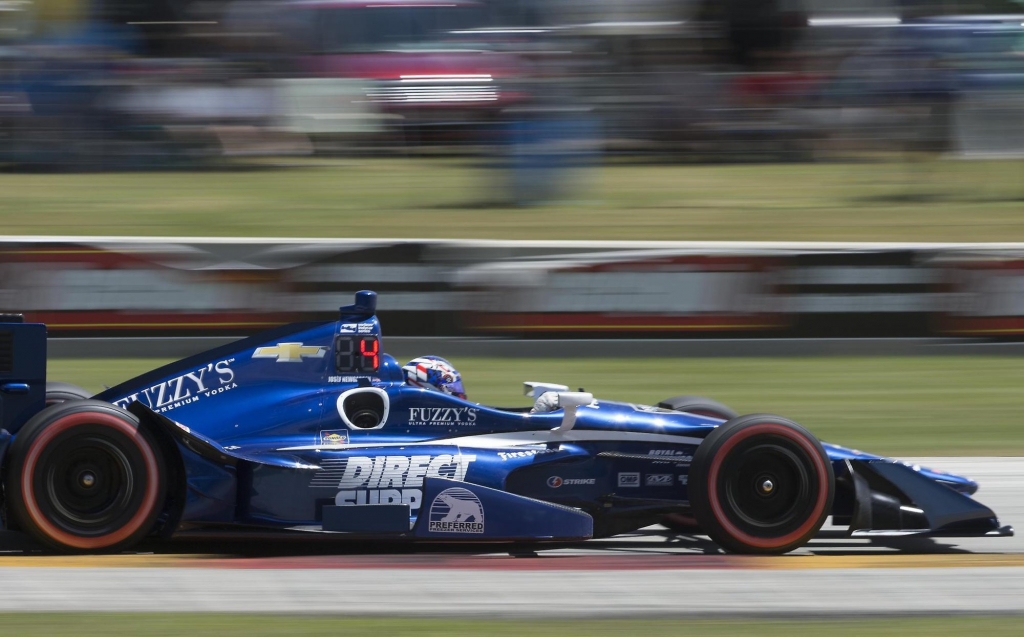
(434, 373)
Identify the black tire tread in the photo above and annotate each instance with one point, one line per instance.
(698, 483)
(700, 403)
(19, 449)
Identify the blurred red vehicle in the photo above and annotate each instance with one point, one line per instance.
(423, 67)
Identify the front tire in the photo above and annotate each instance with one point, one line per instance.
(699, 405)
(84, 476)
(761, 484)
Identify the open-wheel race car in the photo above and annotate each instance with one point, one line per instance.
(312, 428)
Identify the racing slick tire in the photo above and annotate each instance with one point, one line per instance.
(58, 392)
(702, 407)
(760, 484)
(699, 405)
(84, 476)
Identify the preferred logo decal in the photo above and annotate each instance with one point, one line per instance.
(629, 479)
(334, 438)
(290, 352)
(554, 482)
(456, 510)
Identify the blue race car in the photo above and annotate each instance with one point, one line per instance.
(312, 428)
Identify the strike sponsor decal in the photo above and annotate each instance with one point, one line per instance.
(387, 479)
(456, 510)
(629, 479)
(443, 416)
(186, 389)
(334, 437)
(555, 481)
(659, 480)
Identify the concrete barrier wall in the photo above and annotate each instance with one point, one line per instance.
(156, 287)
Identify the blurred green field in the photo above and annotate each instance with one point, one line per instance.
(915, 200)
(222, 625)
(953, 406)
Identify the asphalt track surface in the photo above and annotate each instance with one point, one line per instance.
(650, 572)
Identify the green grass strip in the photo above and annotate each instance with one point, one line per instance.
(916, 200)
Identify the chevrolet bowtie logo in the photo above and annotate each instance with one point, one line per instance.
(290, 352)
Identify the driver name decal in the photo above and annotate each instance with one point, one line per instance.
(213, 379)
(387, 479)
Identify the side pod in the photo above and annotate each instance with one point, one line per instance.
(464, 511)
(891, 499)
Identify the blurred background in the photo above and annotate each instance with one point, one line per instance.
(531, 86)
(522, 170)
(697, 187)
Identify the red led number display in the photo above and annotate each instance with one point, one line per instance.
(369, 347)
(350, 357)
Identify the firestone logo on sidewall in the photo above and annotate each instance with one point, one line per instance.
(456, 510)
(213, 379)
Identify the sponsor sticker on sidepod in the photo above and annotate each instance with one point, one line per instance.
(659, 479)
(387, 479)
(334, 437)
(456, 510)
(629, 479)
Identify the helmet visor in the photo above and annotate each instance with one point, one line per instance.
(455, 389)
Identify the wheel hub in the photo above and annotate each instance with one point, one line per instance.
(87, 479)
(767, 487)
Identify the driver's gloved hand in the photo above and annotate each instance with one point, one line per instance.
(548, 401)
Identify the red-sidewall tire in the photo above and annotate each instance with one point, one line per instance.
(761, 484)
(84, 476)
(699, 405)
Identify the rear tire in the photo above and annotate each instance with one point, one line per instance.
(58, 392)
(761, 484)
(84, 476)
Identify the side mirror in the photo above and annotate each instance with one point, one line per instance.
(534, 390)
(570, 401)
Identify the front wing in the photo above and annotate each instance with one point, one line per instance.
(891, 499)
